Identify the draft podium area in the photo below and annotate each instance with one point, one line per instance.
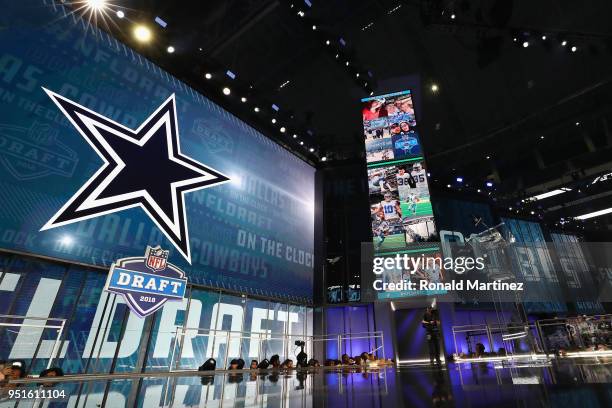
(176, 231)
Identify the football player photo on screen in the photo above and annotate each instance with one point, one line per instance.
(376, 129)
(413, 191)
(380, 180)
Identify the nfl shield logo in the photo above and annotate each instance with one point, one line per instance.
(156, 258)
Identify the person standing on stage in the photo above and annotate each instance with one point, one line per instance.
(431, 325)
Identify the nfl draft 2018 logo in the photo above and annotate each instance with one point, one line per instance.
(157, 258)
(147, 282)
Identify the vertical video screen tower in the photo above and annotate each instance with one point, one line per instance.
(400, 204)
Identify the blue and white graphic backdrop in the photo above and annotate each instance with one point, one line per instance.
(253, 234)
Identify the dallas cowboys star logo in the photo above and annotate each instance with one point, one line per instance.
(142, 168)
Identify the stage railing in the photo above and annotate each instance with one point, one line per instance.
(34, 327)
(509, 335)
(535, 334)
(235, 341)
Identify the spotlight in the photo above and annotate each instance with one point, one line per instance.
(327, 42)
(226, 91)
(564, 43)
(311, 149)
(459, 179)
(543, 38)
(347, 63)
(294, 136)
(120, 14)
(574, 48)
(142, 33)
(448, 186)
(488, 157)
(314, 27)
(525, 44)
(302, 143)
(323, 158)
(357, 75)
(533, 212)
(243, 99)
(452, 16)
(371, 93)
(66, 240)
(541, 137)
(434, 88)
(170, 49)
(273, 120)
(577, 123)
(96, 4)
(256, 109)
(282, 129)
(301, 13)
(478, 190)
(489, 184)
(208, 75)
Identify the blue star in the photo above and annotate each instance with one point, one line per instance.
(142, 168)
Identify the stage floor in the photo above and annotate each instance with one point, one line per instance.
(579, 383)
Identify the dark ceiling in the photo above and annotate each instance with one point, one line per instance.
(529, 118)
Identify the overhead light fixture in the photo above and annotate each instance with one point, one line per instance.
(96, 4)
(452, 16)
(208, 75)
(323, 158)
(574, 48)
(300, 13)
(120, 14)
(243, 99)
(314, 27)
(311, 149)
(294, 136)
(548, 194)
(170, 49)
(434, 88)
(543, 38)
(488, 157)
(226, 91)
(142, 33)
(448, 186)
(327, 42)
(282, 129)
(459, 179)
(594, 214)
(564, 43)
(302, 143)
(273, 120)
(525, 44)
(489, 184)
(577, 123)
(256, 109)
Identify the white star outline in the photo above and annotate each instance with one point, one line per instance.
(92, 201)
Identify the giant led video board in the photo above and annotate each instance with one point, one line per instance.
(73, 100)
(400, 205)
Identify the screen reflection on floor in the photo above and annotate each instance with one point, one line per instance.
(557, 383)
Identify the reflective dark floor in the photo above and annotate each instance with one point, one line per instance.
(565, 383)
